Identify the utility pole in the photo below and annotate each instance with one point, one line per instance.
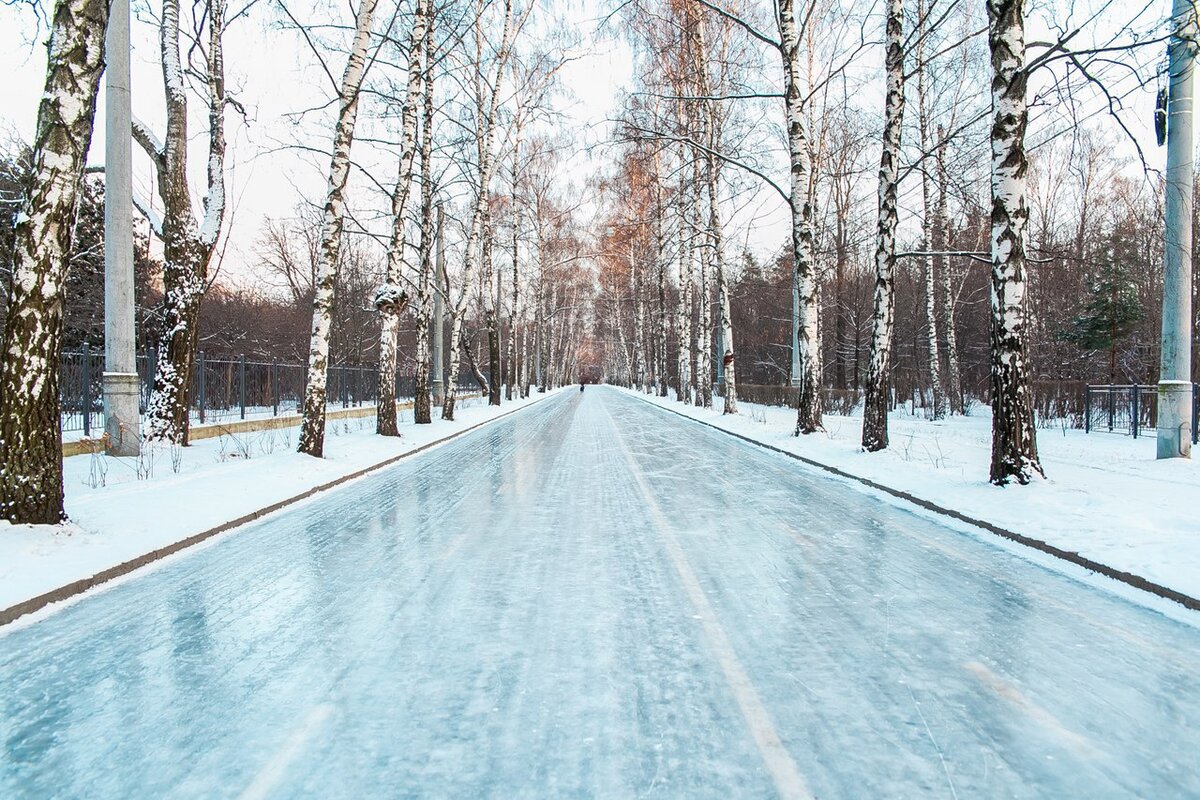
(439, 309)
(121, 389)
(1175, 379)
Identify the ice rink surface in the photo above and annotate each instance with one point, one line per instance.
(595, 598)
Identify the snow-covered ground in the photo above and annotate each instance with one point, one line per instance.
(1105, 496)
(122, 508)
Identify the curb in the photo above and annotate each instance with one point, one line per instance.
(1136, 581)
(80, 586)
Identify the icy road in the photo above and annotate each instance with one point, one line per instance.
(595, 598)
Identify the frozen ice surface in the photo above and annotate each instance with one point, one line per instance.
(595, 598)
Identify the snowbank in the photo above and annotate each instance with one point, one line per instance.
(123, 508)
(1105, 495)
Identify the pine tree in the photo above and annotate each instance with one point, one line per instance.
(1112, 310)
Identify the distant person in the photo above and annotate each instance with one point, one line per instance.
(581, 386)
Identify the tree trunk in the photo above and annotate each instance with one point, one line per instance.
(312, 430)
(31, 478)
(422, 413)
(391, 299)
(485, 149)
(879, 369)
(187, 244)
(953, 372)
(1014, 438)
(808, 411)
(931, 239)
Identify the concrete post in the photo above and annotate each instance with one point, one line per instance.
(1175, 380)
(121, 389)
(439, 310)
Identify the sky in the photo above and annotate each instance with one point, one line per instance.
(274, 75)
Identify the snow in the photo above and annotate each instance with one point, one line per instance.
(1105, 495)
(596, 598)
(121, 508)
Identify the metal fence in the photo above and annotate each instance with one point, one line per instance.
(1129, 409)
(222, 389)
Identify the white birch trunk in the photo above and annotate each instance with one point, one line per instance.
(31, 476)
(391, 298)
(1014, 437)
(312, 429)
(879, 369)
(808, 413)
(188, 243)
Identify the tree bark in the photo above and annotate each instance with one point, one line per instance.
(391, 299)
(879, 369)
(1014, 437)
(808, 411)
(312, 429)
(422, 412)
(930, 237)
(486, 148)
(953, 371)
(187, 244)
(31, 477)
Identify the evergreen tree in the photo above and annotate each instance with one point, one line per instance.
(1112, 310)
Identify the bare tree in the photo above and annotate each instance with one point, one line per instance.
(391, 299)
(1014, 437)
(879, 371)
(31, 479)
(312, 430)
(188, 241)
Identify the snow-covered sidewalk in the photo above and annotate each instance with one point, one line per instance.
(124, 508)
(1105, 496)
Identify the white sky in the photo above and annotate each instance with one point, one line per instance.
(272, 73)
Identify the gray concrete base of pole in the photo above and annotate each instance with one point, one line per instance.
(1174, 419)
(122, 422)
(438, 393)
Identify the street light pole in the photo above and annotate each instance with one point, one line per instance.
(1175, 379)
(121, 388)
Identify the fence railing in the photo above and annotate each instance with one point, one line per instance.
(1129, 409)
(222, 388)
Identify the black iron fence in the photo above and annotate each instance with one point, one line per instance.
(1129, 409)
(222, 388)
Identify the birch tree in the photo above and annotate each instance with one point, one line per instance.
(391, 298)
(312, 429)
(1014, 437)
(877, 399)
(928, 220)
(188, 240)
(486, 133)
(31, 477)
(425, 288)
(808, 410)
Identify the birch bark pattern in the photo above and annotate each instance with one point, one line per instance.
(1014, 438)
(808, 345)
(422, 412)
(487, 146)
(312, 429)
(31, 478)
(932, 238)
(953, 373)
(879, 369)
(391, 299)
(187, 244)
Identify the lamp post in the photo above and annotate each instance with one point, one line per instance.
(121, 390)
(1175, 379)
